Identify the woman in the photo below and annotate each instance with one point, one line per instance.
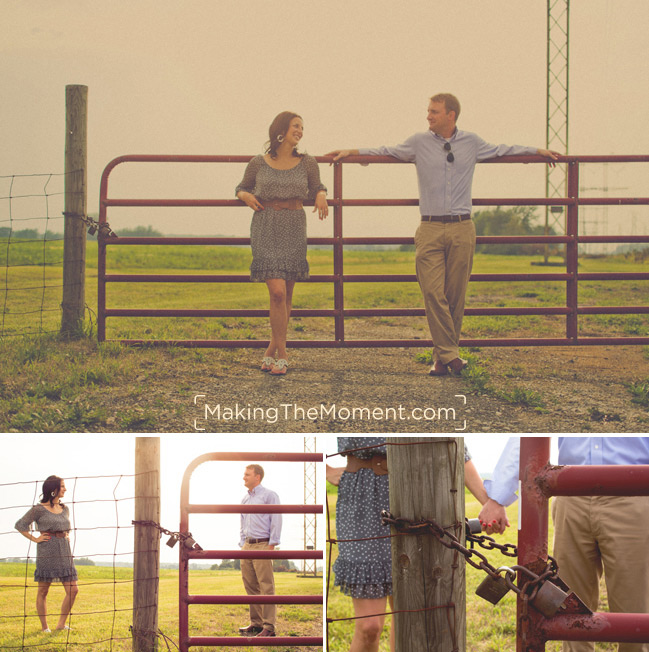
(54, 561)
(363, 569)
(274, 186)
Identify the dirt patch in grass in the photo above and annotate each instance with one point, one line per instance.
(535, 390)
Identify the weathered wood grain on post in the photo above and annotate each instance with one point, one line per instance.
(427, 481)
(146, 567)
(76, 201)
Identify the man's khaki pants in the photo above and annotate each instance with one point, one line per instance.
(258, 579)
(609, 532)
(444, 257)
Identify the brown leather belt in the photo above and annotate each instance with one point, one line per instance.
(257, 540)
(58, 535)
(283, 204)
(445, 218)
(378, 464)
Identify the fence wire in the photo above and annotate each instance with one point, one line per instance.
(116, 604)
(31, 253)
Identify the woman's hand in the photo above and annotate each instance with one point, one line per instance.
(334, 473)
(321, 205)
(42, 538)
(250, 200)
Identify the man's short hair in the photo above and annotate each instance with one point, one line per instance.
(258, 470)
(450, 102)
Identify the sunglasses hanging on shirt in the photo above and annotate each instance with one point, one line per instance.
(449, 157)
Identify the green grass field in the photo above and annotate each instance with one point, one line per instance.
(31, 294)
(489, 628)
(46, 384)
(102, 613)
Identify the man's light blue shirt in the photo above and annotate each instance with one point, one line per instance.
(445, 187)
(261, 526)
(572, 451)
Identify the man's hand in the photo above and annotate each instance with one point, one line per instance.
(493, 517)
(548, 153)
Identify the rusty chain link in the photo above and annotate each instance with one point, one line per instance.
(527, 588)
(185, 537)
(93, 225)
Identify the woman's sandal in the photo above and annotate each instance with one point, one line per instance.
(280, 367)
(267, 363)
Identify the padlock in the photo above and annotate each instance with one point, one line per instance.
(188, 542)
(92, 229)
(473, 526)
(173, 540)
(494, 589)
(549, 599)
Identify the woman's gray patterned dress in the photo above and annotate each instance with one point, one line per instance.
(278, 237)
(54, 561)
(363, 569)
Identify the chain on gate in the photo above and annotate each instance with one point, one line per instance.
(541, 591)
(174, 537)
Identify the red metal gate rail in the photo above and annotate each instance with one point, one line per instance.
(571, 276)
(185, 599)
(539, 481)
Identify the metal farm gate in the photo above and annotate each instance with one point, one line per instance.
(187, 553)
(539, 481)
(570, 275)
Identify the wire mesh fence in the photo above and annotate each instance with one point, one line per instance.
(101, 546)
(31, 253)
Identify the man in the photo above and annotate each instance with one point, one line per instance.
(259, 532)
(591, 532)
(445, 158)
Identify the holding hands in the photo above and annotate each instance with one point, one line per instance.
(493, 517)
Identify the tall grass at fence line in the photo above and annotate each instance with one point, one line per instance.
(96, 591)
(489, 628)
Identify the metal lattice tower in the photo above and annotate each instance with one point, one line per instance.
(558, 49)
(310, 530)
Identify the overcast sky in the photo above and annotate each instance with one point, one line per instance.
(208, 77)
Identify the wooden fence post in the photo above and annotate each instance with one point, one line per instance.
(76, 200)
(146, 567)
(427, 482)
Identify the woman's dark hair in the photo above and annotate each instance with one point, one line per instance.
(51, 488)
(278, 127)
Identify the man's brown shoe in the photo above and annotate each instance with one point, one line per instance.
(438, 369)
(250, 630)
(456, 366)
(266, 632)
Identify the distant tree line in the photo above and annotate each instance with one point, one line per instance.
(279, 565)
(519, 220)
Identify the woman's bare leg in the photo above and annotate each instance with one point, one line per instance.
(71, 591)
(367, 627)
(41, 603)
(277, 290)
